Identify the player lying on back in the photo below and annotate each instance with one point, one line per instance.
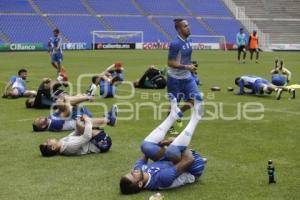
(68, 111)
(107, 81)
(260, 86)
(173, 164)
(151, 79)
(84, 140)
(280, 75)
(16, 86)
(47, 94)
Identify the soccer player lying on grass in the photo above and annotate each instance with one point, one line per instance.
(152, 79)
(68, 111)
(47, 94)
(173, 164)
(280, 75)
(107, 81)
(260, 86)
(16, 86)
(83, 140)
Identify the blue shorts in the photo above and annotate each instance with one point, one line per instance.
(259, 85)
(183, 88)
(21, 91)
(57, 57)
(150, 149)
(107, 90)
(279, 80)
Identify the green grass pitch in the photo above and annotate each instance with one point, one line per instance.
(237, 150)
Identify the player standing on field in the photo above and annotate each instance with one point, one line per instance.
(241, 43)
(55, 50)
(253, 46)
(180, 82)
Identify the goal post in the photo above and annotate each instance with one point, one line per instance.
(117, 37)
(209, 42)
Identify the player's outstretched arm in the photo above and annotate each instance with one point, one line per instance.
(7, 88)
(75, 100)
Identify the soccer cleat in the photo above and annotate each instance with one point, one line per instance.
(204, 160)
(112, 116)
(172, 131)
(278, 94)
(179, 123)
(292, 93)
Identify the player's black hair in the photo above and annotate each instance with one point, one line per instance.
(46, 151)
(177, 22)
(241, 29)
(94, 79)
(56, 30)
(236, 81)
(37, 128)
(127, 187)
(21, 71)
(28, 103)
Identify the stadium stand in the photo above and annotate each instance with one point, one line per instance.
(116, 7)
(281, 19)
(135, 23)
(25, 28)
(35, 19)
(61, 6)
(165, 7)
(226, 27)
(77, 28)
(214, 8)
(15, 6)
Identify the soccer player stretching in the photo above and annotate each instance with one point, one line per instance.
(173, 166)
(180, 81)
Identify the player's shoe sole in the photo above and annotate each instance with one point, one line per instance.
(292, 93)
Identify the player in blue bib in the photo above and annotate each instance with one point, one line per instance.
(16, 86)
(55, 50)
(173, 164)
(281, 76)
(260, 86)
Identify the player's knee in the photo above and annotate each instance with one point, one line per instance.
(173, 152)
(150, 149)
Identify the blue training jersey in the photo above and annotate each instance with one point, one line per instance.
(161, 173)
(180, 50)
(248, 81)
(18, 82)
(55, 42)
(241, 39)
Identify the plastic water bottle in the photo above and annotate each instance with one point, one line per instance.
(271, 172)
(156, 196)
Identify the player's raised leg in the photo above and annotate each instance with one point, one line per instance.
(150, 146)
(181, 142)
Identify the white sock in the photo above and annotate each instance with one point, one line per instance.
(160, 132)
(184, 138)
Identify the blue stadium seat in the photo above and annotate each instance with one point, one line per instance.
(204, 8)
(77, 28)
(136, 23)
(25, 28)
(196, 27)
(227, 27)
(18, 6)
(162, 7)
(114, 7)
(61, 6)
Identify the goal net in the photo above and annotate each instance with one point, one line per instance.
(118, 37)
(208, 42)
